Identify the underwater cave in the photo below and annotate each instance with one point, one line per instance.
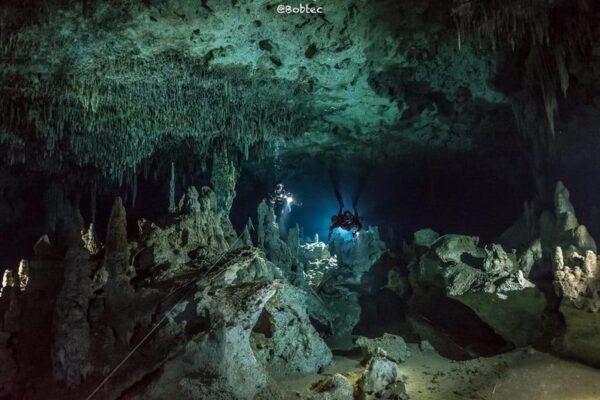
(246, 199)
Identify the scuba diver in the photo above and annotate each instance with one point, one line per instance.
(346, 220)
(281, 199)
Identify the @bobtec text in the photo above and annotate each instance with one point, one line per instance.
(299, 9)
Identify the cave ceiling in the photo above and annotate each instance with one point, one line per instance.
(110, 85)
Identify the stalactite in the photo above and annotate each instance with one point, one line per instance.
(172, 207)
(134, 189)
(529, 24)
(93, 192)
(196, 109)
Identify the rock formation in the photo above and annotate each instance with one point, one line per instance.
(244, 329)
(336, 387)
(338, 299)
(284, 339)
(449, 107)
(577, 281)
(394, 346)
(197, 232)
(71, 347)
(119, 294)
(381, 380)
(485, 279)
(276, 249)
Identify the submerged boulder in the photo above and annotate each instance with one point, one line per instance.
(284, 339)
(382, 380)
(336, 387)
(485, 279)
(394, 346)
(424, 238)
(242, 325)
(458, 265)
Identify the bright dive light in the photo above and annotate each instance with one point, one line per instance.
(289, 199)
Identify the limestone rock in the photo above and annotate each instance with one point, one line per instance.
(286, 341)
(72, 341)
(91, 241)
(197, 231)
(229, 308)
(43, 248)
(23, 274)
(563, 209)
(9, 370)
(382, 380)
(456, 264)
(577, 279)
(8, 280)
(317, 261)
(394, 346)
(338, 305)
(12, 309)
(224, 177)
(516, 315)
(336, 387)
(118, 291)
(488, 281)
(531, 257)
(581, 338)
(563, 229)
(70, 353)
(357, 255)
(276, 249)
(424, 238)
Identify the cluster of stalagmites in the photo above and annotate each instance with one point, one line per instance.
(235, 314)
(231, 319)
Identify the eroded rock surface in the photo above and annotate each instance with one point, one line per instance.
(487, 280)
(382, 380)
(338, 297)
(337, 387)
(284, 339)
(394, 346)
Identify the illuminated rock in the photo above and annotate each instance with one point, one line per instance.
(381, 380)
(285, 341)
(336, 387)
(394, 346)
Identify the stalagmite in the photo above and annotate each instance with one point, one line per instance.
(8, 281)
(119, 292)
(70, 353)
(224, 176)
(23, 274)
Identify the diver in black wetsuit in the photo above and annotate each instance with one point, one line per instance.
(347, 221)
(281, 199)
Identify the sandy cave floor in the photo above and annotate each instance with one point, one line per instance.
(524, 374)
